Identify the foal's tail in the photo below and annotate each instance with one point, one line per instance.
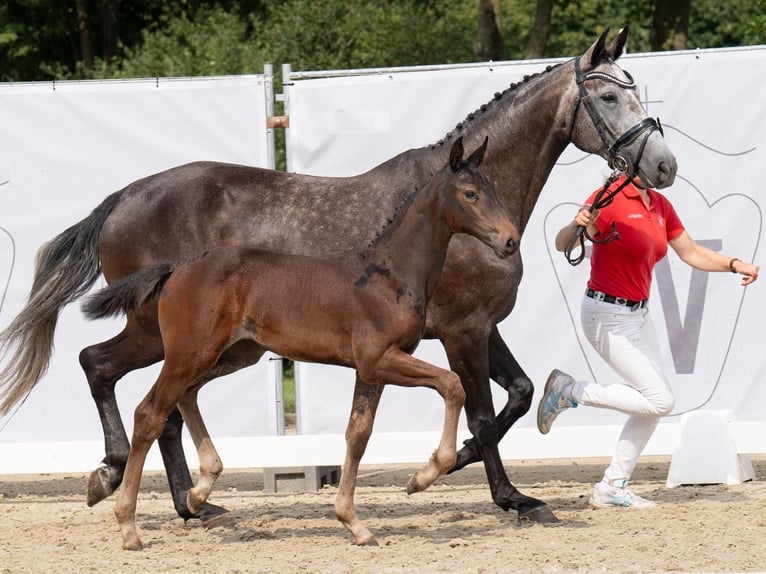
(128, 293)
(65, 268)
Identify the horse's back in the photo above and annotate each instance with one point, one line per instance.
(176, 214)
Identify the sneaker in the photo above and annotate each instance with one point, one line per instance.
(605, 495)
(554, 400)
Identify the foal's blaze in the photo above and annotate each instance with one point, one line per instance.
(362, 309)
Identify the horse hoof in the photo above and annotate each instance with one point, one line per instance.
(539, 514)
(98, 487)
(132, 544)
(413, 486)
(368, 541)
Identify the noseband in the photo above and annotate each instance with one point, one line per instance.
(618, 162)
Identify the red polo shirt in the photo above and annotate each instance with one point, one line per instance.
(623, 268)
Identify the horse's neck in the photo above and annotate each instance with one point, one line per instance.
(416, 241)
(527, 133)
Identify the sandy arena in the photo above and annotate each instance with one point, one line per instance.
(45, 526)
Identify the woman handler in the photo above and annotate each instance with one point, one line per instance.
(616, 321)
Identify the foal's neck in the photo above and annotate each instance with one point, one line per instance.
(416, 240)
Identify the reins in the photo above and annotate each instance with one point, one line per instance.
(618, 162)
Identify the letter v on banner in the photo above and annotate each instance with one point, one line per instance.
(684, 336)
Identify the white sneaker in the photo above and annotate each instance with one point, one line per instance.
(605, 495)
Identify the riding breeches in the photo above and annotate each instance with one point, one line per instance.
(627, 341)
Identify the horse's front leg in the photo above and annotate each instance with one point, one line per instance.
(402, 369)
(468, 356)
(358, 431)
(506, 372)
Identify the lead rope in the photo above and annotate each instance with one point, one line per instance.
(603, 198)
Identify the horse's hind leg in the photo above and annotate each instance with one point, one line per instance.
(104, 364)
(149, 418)
(506, 372)
(358, 431)
(210, 466)
(137, 346)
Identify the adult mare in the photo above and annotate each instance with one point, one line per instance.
(174, 215)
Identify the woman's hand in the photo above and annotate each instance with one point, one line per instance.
(748, 270)
(586, 217)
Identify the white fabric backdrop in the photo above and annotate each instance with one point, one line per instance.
(63, 148)
(63, 151)
(711, 106)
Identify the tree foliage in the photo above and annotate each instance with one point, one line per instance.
(63, 39)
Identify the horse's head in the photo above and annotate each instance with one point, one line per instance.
(609, 120)
(473, 206)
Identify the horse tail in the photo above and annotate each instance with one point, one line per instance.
(128, 293)
(65, 268)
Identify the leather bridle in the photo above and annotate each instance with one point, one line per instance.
(644, 128)
(620, 163)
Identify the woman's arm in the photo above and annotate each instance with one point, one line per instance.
(705, 259)
(584, 218)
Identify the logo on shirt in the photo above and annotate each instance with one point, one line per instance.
(635, 216)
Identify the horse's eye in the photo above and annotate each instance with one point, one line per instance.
(471, 195)
(609, 98)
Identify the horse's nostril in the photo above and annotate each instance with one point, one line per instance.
(510, 245)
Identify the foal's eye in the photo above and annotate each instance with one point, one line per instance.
(471, 195)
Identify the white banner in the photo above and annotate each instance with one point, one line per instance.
(710, 105)
(63, 148)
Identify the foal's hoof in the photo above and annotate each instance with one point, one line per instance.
(367, 541)
(99, 486)
(539, 514)
(132, 544)
(413, 486)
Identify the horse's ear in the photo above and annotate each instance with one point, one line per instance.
(617, 46)
(456, 154)
(477, 156)
(592, 57)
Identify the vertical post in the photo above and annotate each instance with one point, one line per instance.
(268, 73)
(278, 370)
(287, 71)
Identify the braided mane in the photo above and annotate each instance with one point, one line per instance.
(508, 92)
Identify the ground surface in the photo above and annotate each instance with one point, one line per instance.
(45, 526)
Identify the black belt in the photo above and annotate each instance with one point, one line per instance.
(601, 296)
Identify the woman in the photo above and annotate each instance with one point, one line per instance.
(616, 321)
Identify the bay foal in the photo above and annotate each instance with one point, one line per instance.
(363, 309)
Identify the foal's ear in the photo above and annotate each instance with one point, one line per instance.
(456, 154)
(593, 56)
(617, 46)
(477, 157)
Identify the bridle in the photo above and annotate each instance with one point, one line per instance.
(619, 162)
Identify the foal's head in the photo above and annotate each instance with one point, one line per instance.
(472, 204)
